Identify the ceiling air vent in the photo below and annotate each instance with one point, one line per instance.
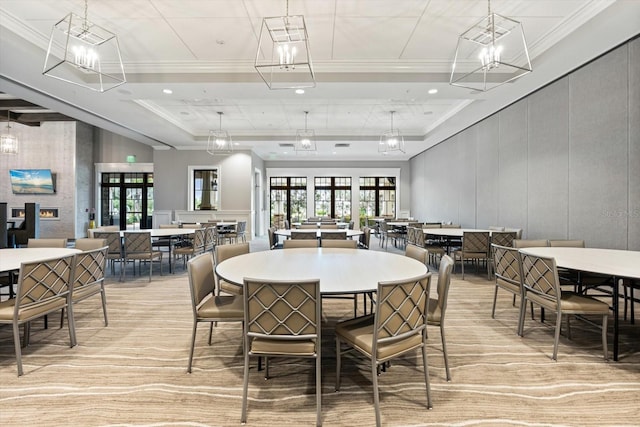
(343, 145)
(286, 145)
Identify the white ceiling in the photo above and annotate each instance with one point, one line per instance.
(370, 57)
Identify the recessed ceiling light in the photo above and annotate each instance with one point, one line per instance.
(299, 91)
(433, 91)
(236, 143)
(167, 91)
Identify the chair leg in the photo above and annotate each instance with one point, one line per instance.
(376, 399)
(444, 352)
(557, 336)
(16, 343)
(568, 326)
(426, 376)
(104, 305)
(211, 331)
(245, 387)
(318, 390)
(338, 364)
(605, 319)
(193, 344)
(495, 297)
(522, 315)
(71, 324)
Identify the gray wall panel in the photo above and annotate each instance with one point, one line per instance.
(487, 171)
(598, 149)
(633, 214)
(418, 176)
(580, 172)
(548, 182)
(512, 164)
(465, 169)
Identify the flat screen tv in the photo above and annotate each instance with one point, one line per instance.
(32, 181)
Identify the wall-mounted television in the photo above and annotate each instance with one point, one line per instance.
(32, 181)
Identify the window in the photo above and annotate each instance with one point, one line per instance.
(288, 200)
(127, 200)
(377, 198)
(205, 189)
(333, 197)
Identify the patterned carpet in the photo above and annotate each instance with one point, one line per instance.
(133, 372)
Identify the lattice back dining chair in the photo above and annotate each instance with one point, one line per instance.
(417, 253)
(116, 251)
(198, 245)
(500, 238)
(303, 235)
(137, 246)
(398, 326)
(205, 304)
(210, 237)
(282, 318)
(43, 287)
(475, 246)
(333, 235)
(541, 286)
(434, 249)
(88, 278)
(223, 252)
(530, 243)
(438, 306)
(508, 277)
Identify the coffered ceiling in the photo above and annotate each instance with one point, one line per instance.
(370, 57)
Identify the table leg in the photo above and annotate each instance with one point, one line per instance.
(615, 317)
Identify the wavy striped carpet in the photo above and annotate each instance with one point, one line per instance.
(133, 372)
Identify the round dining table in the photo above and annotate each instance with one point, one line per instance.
(10, 259)
(616, 263)
(340, 271)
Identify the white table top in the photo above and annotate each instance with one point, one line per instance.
(10, 259)
(450, 232)
(350, 233)
(341, 271)
(163, 232)
(612, 262)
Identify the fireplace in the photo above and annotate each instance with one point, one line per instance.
(45, 213)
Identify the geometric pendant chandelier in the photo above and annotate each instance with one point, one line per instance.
(490, 53)
(219, 141)
(283, 59)
(84, 54)
(8, 142)
(391, 142)
(305, 138)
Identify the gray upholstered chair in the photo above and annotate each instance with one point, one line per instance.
(438, 306)
(398, 326)
(137, 247)
(418, 253)
(206, 305)
(47, 243)
(530, 243)
(87, 244)
(567, 243)
(332, 243)
(43, 287)
(282, 318)
(541, 286)
(291, 244)
(365, 238)
(475, 247)
(223, 252)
